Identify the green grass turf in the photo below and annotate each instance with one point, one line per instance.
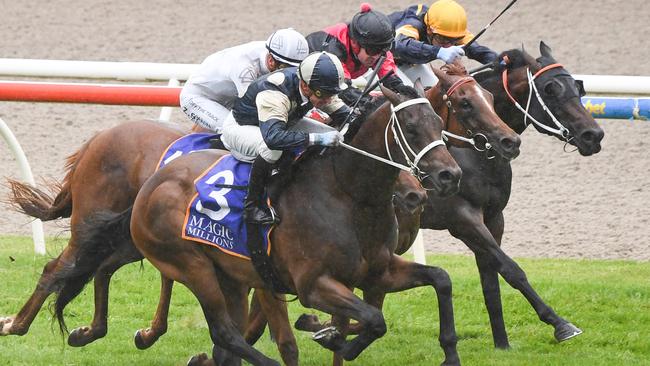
(609, 300)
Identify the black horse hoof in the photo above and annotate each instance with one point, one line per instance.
(308, 323)
(329, 338)
(566, 331)
(140, 341)
(198, 360)
(80, 337)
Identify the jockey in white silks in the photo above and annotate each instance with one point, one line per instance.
(210, 93)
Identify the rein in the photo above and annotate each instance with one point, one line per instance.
(404, 146)
(560, 131)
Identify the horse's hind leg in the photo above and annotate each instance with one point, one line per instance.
(145, 338)
(125, 254)
(198, 274)
(405, 275)
(256, 321)
(52, 279)
(278, 318)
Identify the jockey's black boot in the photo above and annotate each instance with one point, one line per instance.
(255, 210)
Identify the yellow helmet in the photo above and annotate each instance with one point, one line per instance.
(447, 18)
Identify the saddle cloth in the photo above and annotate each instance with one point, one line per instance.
(215, 213)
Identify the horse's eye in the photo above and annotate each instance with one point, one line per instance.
(466, 105)
(549, 89)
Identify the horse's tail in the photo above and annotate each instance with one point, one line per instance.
(107, 227)
(46, 204)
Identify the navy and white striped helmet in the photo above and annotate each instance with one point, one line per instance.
(323, 72)
(287, 46)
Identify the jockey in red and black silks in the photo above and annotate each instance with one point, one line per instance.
(360, 44)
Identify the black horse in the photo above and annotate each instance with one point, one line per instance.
(475, 214)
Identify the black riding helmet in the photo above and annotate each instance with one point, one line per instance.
(372, 29)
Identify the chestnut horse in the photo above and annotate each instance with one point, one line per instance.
(475, 214)
(119, 160)
(338, 229)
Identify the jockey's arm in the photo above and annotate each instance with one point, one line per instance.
(480, 53)
(273, 109)
(410, 50)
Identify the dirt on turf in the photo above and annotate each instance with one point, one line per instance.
(562, 205)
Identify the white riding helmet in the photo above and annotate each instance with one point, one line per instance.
(288, 46)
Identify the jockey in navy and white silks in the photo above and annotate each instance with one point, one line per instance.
(359, 45)
(256, 130)
(210, 93)
(424, 34)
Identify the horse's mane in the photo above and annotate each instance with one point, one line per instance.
(454, 69)
(516, 58)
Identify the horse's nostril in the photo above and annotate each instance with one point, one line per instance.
(510, 144)
(592, 136)
(445, 177)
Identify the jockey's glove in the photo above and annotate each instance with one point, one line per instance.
(450, 54)
(331, 138)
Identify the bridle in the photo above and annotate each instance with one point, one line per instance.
(561, 131)
(450, 109)
(402, 143)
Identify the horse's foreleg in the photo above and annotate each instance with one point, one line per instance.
(145, 338)
(564, 330)
(275, 310)
(480, 240)
(404, 275)
(331, 296)
(54, 275)
(81, 336)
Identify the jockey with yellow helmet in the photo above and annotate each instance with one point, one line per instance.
(424, 34)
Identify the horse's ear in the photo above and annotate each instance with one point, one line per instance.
(441, 75)
(545, 50)
(390, 95)
(419, 88)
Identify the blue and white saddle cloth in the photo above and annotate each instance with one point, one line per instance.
(215, 213)
(185, 145)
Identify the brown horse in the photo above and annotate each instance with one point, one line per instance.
(118, 161)
(475, 215)
(322, 270)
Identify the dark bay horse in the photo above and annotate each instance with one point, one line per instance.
(342, 194)
(119, 160)
(475, 214)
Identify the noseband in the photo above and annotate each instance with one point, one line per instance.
(560, 131)
(404, 146)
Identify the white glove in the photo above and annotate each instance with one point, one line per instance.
(332, 138)
(359, 83)
(450, 54)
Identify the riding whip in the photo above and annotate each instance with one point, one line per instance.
(367, 89)
(489, 24)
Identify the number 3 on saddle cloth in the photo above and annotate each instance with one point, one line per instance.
(215, 213)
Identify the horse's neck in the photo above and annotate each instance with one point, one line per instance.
(503, 105)
(366, 180)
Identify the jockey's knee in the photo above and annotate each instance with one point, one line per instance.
(271, 156)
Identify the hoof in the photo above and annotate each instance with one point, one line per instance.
(308, 323)
(142, 341)
(329, 338)
(197, 360)
(5, 325)
(81, 336)
(566, 331)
